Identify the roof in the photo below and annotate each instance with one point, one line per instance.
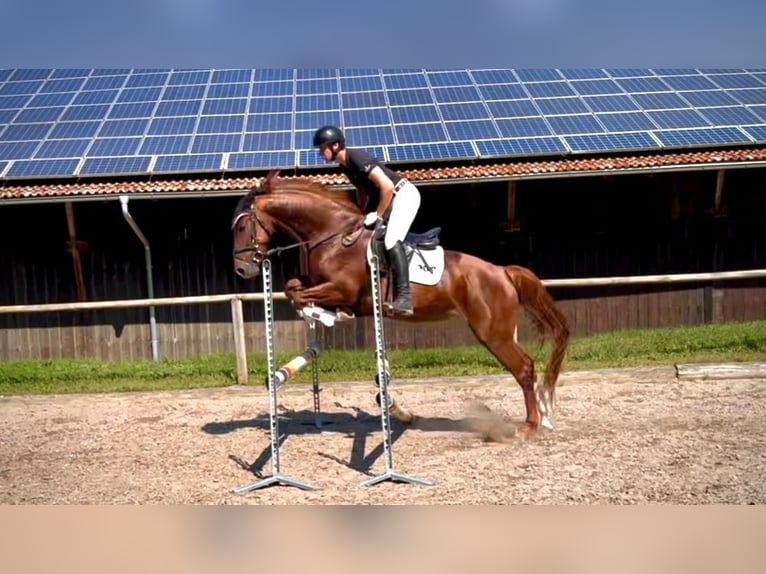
(510, 170)
(94, 123)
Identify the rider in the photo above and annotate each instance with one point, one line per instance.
(389, 197)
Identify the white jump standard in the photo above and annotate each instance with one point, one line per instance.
(274, 381)
(383, 377)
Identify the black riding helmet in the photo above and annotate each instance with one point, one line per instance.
(328, 135)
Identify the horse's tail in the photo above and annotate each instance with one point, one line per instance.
(547, 318)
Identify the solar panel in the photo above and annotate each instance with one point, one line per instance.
(456, 78)
(42, 167)
(408, 97)
(73, 130)
(575, 124)
(62, 148)
(610, 142)
(463, 112)
(678, 138)
(594, 87)
(472, 130)
(190, 162)
(107, 147)
(583, 74)
(115, 165)
(267, 140)
(216, 143)
(550, 89)
(372, 136)
(729, 116)
(678, 119)
(691, 82)
(520, 146)
(161, 145)
(431, 151)
(760, 111)
(60, 122)
(754, 96)
(558, 106)
(611, 103)
(758, 133)
(708, 98)
(522, 127)
(266, 159)
(626, 122)
(420, 133)
(736, 81)
(365, 117)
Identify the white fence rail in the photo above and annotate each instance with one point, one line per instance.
(236, 300)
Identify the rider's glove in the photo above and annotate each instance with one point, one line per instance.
(371, 219)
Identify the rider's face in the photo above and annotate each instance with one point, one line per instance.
(326, 151)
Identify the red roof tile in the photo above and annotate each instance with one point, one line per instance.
(15, 190)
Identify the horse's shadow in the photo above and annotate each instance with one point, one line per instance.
(357, 424)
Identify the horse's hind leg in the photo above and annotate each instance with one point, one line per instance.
(493, 321)
(522, 367)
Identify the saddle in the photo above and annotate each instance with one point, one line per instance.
(426, 240)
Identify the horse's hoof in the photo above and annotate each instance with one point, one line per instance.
(526, 430)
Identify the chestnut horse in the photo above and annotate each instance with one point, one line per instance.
(327, 223)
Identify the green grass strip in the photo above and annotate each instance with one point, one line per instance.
(731, 342)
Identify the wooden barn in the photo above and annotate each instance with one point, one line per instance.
(117, 185)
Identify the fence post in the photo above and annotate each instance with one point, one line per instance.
(238, 324)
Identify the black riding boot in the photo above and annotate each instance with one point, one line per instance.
(400, 266)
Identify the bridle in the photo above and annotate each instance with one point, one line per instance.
(253, 246)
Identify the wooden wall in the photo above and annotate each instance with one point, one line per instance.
(580, 227)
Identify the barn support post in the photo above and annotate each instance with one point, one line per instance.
(149, 278)
(75, 247)
(718, 191)
(717, 292)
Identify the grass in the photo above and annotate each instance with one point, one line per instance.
(732, 342)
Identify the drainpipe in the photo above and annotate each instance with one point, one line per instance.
(149, 280)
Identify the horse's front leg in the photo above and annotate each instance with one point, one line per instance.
(327, 294)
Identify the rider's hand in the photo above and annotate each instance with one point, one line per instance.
(371, 219)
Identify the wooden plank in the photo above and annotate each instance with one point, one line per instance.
(701, 372)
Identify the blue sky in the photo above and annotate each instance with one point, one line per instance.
(385, 33)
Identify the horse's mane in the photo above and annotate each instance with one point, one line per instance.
(316, 192)
(343, 198)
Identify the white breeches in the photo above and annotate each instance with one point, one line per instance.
(403, 211)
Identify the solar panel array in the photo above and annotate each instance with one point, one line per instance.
(99, 122)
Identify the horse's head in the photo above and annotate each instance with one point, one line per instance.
(307, 212)
(252, 233)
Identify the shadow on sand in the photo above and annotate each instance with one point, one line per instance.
(358, 424)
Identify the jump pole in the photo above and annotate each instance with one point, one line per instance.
(383, 379)
(275, 379)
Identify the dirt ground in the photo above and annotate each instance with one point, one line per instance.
(623, 436)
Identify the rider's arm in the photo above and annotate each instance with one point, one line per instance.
(386, 187)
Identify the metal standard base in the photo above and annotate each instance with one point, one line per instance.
(396, 477)
(272, 480)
